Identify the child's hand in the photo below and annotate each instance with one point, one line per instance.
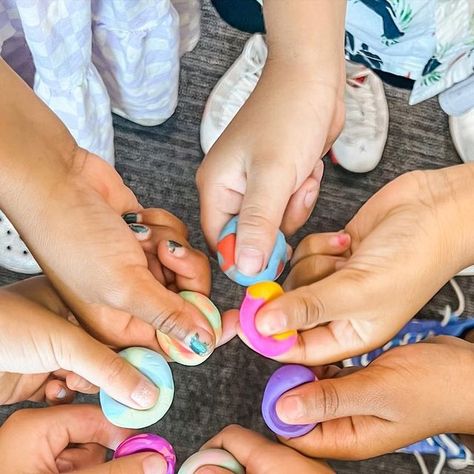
(57, 356)
(259, 455)
(405, 395)
(267, 166)
(405, 243)
(68, 438)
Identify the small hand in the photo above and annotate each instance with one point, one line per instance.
(267, 165)
(43, 355)
(351, 292)
(405, 395)
(259, 455)
(68, 438)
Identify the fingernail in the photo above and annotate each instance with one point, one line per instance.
(131, 217)
(274, 322)
(138, 228)
(339, 240)
(153, 464)
(61, 393)
(200, 342)
(64, 466)
(250, 261)
(291, 409)
(310, 198)
(176, 248)
(145, 394)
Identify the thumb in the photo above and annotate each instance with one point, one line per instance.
(144, 463)
(90, 359)
(267, 193)
(342, 295)
(168, 313)
(355, 394)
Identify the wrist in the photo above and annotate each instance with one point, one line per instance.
(306, 33)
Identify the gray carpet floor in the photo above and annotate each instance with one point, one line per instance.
(159, 164)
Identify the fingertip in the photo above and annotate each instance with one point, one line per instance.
(154, 464)
(341, 241)
(58, 393)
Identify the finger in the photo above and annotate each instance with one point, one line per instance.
(269, 189)
(218, 203)
(85, 455)
(341, 295)
(230, 320)
(327, 243)
(156, 268)
(191, 267)
(352, 438)
(57, 392)
(310, 270)
(140, 231)
(353, 395)
(101, 366)
(238, 441)
(329, 343)
(302, 202)
(168, 313)
(80, 384)
(143, 463)
(81, 424)
(162, 218)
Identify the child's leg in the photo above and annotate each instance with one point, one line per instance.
(136, 50)
(189, 12)
(58, 33)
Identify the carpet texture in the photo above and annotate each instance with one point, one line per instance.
(159, 164)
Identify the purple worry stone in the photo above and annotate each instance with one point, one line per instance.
(148, 442)
(284, 379)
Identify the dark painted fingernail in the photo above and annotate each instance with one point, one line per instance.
(176, 248)
(138, 228)
(130, 217)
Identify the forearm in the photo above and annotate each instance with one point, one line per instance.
(35, 147)
(306, 32)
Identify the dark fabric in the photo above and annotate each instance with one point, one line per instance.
(159, 164)
(245, 15)
(394, 80)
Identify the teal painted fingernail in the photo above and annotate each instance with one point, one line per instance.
(130, 217)
(138, 228)
(197, 346)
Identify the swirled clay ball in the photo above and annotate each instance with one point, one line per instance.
(226, 257)
(211, 457)
(148, 442)
(176, 351)
(255, 297)
(154, 366)
(284, 379)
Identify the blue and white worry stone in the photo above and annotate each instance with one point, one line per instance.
(226, 250)
(154, 366)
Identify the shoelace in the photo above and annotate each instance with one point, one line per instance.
(361, 108)
(447, 445)
(239, 94)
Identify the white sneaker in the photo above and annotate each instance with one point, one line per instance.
(232, 91)
(189, 12)
(360, 145)
(14, 254)
(462, 133)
